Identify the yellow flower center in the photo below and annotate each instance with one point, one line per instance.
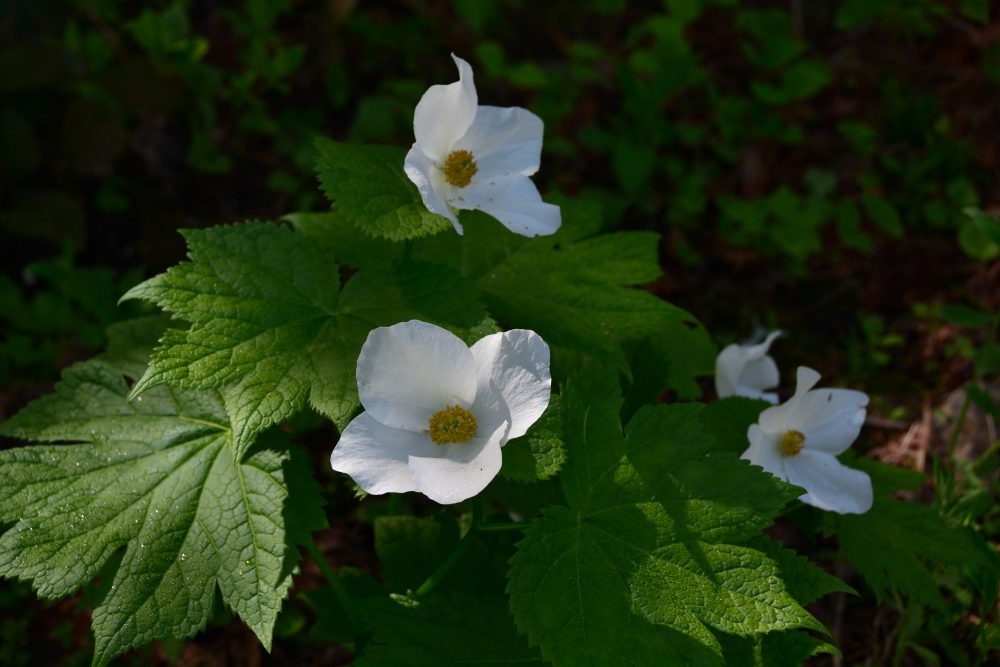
(791, 443)
(459, 168)
(452, 424)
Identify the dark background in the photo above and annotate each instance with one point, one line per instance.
(813, 166)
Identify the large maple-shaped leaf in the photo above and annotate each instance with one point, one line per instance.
(897, 545)
(445, 629)
(574, 288)
(270, 326)
(647, 559)
(154, 477)
(368, 186)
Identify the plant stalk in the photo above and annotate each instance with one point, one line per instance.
(336, 585)
(455, 556)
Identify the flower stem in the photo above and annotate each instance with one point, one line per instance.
(499, 527)
(456, 555)
(336, 585)
(395, 504)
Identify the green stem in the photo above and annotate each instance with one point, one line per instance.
(336, 585)
(460, 550)
(977, 374)
(395, 504)
(959, 422)
(499, 527)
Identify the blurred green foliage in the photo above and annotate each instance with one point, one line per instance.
(781, 136)
(748, 124)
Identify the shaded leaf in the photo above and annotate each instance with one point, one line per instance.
(270, 327)
(368, 186)
(644, 564)
(157, 478)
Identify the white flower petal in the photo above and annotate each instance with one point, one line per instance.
(759, 375)
(514, 201)
(517, 363)
(728, 366)
(445, 112)
(430, 183)
(491, 410)
(760, 349)
(504, 141)
(459, 471)
(746, 370)
(763, 452)
(830, 419)
(410, 370)
(377, 457)
(830, 485)
(775, 420)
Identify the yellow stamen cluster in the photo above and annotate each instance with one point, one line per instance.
(791, 443)
(452, 424)
(459, 168)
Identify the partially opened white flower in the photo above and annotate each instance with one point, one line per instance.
(800, 439)
(437, 412)
(468, 156)
(747, 370)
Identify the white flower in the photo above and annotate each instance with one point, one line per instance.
(478, 157)
(437, 412)
(747, 370)
(799, 441)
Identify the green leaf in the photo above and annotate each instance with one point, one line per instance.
(643, 565)
(849, 227)
(456, 629)
(269, 328)
(804, 79)
(572, 288)
(729, 419)
(157, 478)
(977, 10)
(540, 454)
(883, 214)
(346, 244)
(411, 548)
(885, 478)
(368, 186)
(805, 581)
(775, 649)
(979, 234)
(964, 316)
(577, 296)
(673, 358)
(891, 542)
(333, 624)
(705, 491)
(130, 343)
